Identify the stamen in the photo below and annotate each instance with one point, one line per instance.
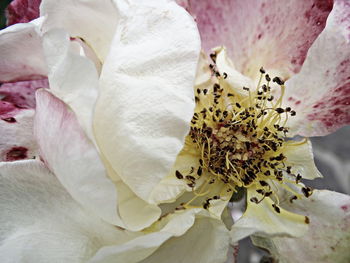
(241, 140)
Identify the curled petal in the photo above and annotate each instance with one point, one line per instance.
(93, 21)
(73, 158)
(328, 237)
(320, 93)
(146, 102)
(300, 157)
(40, 222)
(183, 238)
(266, 220)
(22, 56)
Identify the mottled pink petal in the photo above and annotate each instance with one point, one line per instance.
(21, 53)
(22, 11)
(22, 94)
(275, 34)
(328, 238)
(320, 93)
(73, 158)
(16, 125)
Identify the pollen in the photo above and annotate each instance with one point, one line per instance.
(241, 137)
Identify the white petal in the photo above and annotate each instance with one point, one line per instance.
(40, 222)
(73, 158)
(93, 21)
(17, 139)
(21, 52)
(72, 76)
(146, 100)
(263, 219)
(301, 158)
(327, 240)
(320, 93)
(184, 238)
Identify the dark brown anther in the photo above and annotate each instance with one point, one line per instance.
(213, 57)
(216, 87)
(206, 205)
(279, 110)
(205, 91)
(178, 175)
(307, 220)
(245, 88)
(298, 178)
(267, 194)
(238, 105)
(254, 200)
(198, 91)
(196, 99)
(262, 70)
(288, 109)
(267, 77)
(293, 198)
(278, 80)
(199, 171)
(293, 113)
(190, 178)
(201, 162)
(224, 75)
(263, 183)
(307, 191)
(277, 209)
(230, 95)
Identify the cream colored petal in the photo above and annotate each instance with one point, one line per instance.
(40, 222)
(263, 219)
(301, 158)
(328, 238)
(180, 237)
(134, 212)
(146, 93)
(73, 158)
(235, 79)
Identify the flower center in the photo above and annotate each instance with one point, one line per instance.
(241, 137)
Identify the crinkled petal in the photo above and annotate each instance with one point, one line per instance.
(73, 77)
(17, 140)
(320, 93)
(136, 213)
(22, 11)
(274, 34)
(183, 238)
(73, 158)
(40, 222)
(300, 157)
(21, 52)
(146, 101)
(263, 219)
(329, 235)
(93, 21)
(22, 93)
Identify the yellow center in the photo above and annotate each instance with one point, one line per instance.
(240, 137)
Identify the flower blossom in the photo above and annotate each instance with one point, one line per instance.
(118, 131)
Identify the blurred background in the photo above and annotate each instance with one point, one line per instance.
(332, 157)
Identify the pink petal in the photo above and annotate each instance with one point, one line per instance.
(21, 52)
(22, 11)
(274, 34)
(22, 94)
(320, 93)
(73, 158)
(16, 125)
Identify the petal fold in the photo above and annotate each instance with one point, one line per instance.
(73, 158)
(146, 93)
(40, 222)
